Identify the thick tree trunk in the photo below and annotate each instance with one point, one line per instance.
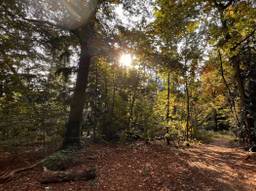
(72, 134)
(243, 105)
(244, 119)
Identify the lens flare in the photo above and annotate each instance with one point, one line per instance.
(126, 60)
(69, 14)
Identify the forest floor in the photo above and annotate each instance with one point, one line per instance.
(216, 166)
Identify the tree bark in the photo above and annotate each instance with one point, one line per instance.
(72, 134)
(243, 106)
(114, 93)
(131, 111)
(168, 97)
(188, 110)
(215, 119)
(96, 102)
(106, 92)
(230, 99)
(237, 76)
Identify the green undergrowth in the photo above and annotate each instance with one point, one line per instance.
(206, 136)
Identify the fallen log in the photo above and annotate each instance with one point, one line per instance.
(66, 176)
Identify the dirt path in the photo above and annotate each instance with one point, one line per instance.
(140, 167)
(222, 167)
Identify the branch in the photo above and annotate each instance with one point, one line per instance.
(246, 38)
(231, 101)
(223, 6)
(67, 176)
(5, 177)
(228, 4)
(43, 22)
(35, 21)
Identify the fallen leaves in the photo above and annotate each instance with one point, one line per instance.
(141, 167)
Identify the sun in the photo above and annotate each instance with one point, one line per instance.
(126, 60)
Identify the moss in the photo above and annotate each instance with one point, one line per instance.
(61, 160)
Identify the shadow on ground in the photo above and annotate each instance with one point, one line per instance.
(142, 167)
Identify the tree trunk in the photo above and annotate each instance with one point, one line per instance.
(230, 98)
(96, 102)
(215, 119)
(72, 134)
(106, 92)
(131, 111)
(113, 94)
(168, 97)
(243, 106)
(188, 111)
(237, 76)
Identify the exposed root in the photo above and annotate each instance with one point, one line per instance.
(66, 176)
(250, 156)
(7, 176)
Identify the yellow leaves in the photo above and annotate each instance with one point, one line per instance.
(192, 26)
(243, 33)
(230, 13)
(158, 14)
(220, 100)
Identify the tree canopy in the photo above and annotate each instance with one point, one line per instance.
(192, 67)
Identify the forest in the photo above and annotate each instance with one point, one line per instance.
(141, 95)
